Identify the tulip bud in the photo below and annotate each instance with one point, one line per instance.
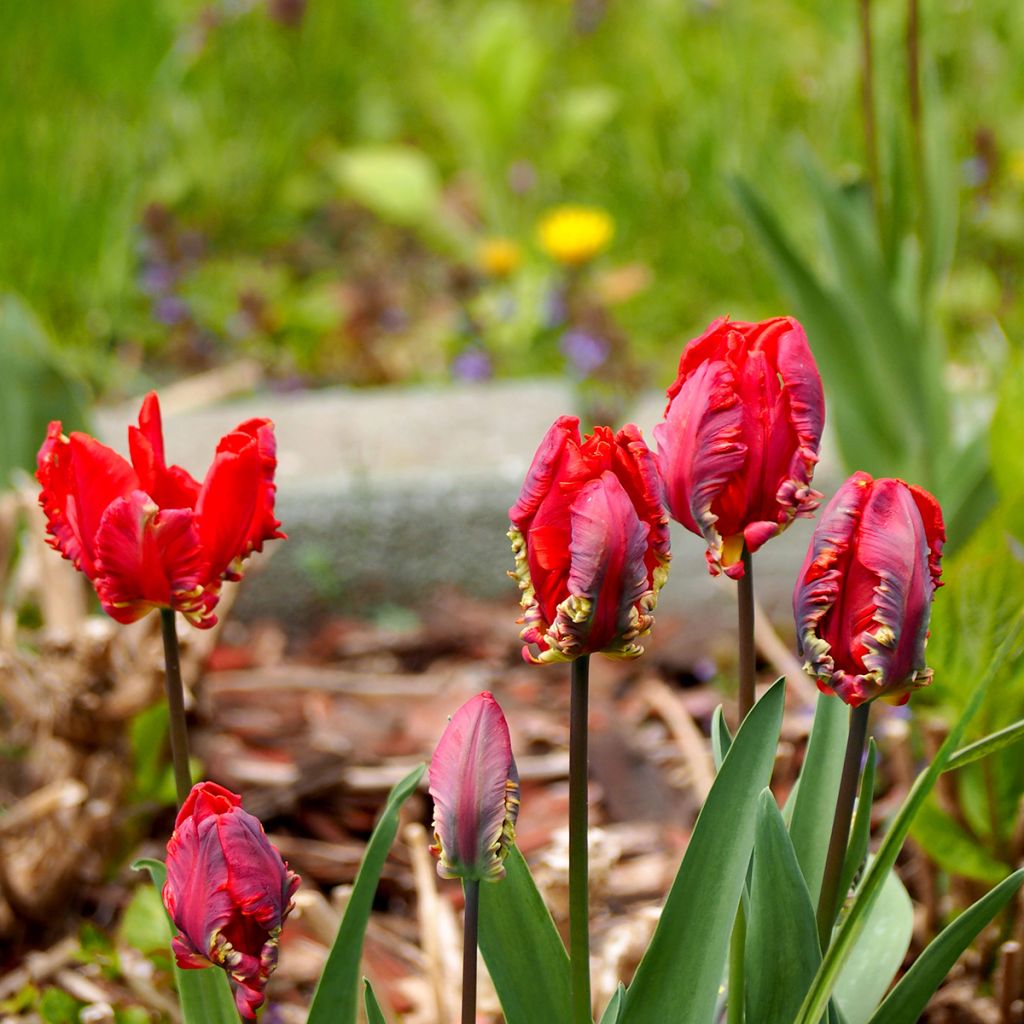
(863, 598)
(228, 892)
(740, 438)
(591, 544)
(475, 788)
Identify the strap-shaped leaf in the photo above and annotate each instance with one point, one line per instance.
(204, 994)
(814, 803)
(782, 951)
(912, 992)
(679, 975)
(374, 1015)
(986, 745)
(522, 949)
(843, 939)
(337, 992)
(721, 738)
(613, 1011)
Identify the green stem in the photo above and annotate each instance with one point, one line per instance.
(175, 705)
(737, 949)
(579, 910)
(471, 918)
(746, 636)
(828, 902)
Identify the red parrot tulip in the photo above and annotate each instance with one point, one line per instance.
(227, 892)
(863, 599)
(147, 534)
(591, 543)
(739, 441)
(475, 788)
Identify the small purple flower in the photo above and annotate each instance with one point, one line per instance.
(472, 364)
(157, 279)
(171, 310)
(585, 352)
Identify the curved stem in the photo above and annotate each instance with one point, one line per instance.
(175, 705)
(579, 909)
(747, 655)
(830, 895)
(471, 918)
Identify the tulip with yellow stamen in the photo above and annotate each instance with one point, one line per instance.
(574, 235)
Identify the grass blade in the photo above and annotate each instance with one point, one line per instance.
(523, 952)
(679, 975)
(337, 992)
(374, 1015)
(986, 745)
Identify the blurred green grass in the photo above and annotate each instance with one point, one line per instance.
(236, 122)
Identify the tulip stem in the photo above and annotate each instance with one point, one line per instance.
(175, 705)
(746, 636)
(830, 895)
(471, 918)
(579, 910)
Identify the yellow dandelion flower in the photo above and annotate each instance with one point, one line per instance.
(499, 257)
(573, 235)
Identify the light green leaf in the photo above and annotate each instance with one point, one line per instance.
(814, 805)
(523, 952)
(374, 1015)
(953, 849)
(782, 951)
(398, 183)
(877, 954)
(721, 738)
(334, 1001)
(986, 745)
(679, 976)
(613, 1011)
(911, 993)
(204, 994)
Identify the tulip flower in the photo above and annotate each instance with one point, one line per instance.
(228, 892)
(863, 598)
(147, 534)
(591, 543)
(475, 788)
(739, 441)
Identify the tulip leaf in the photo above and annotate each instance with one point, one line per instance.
(679, 976)
(522, 949)
(814, 804)
(613, 1011)
(337, 993)
(374, 1015)
(877, 953)
(912, 992)
(721, 738)
(204, 994)
(781, 917)
(986, 745)
(953, 849)
(860, 832)
(845, 936)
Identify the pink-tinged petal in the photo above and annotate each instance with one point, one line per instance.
(934, 530)
(541, 476)
(257, 887)
(700, 450)
(228, 502)
(637, 469)
(265, 525)
(207, 800)
(56, 481)
(475, 788)
(168, 486)
(99, 476)
(147, 558)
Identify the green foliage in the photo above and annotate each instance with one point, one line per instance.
(337, 992)
(374, 1015)
(523, 952)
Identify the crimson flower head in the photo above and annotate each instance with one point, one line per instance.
(863, 599)
(739, 441)
(475, 788)
(591, 543)
(227, 892)
(147, 534)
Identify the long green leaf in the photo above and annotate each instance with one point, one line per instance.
(843, 940)
(782, 951)
(679, 975)
(911, 993)
(337, 992)
(954, 849)
(814, 805)
(522, 949)
(986, 745)
(860, 833)
(721, 738)
(613, 1011)
(877, 953)
(374, 1015)
(204, 994)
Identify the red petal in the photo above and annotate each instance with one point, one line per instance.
(56, 479)
(540, 477)
(470, 776)
(228, 502)
(265, 526)
(151, 425)
(637, 469)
